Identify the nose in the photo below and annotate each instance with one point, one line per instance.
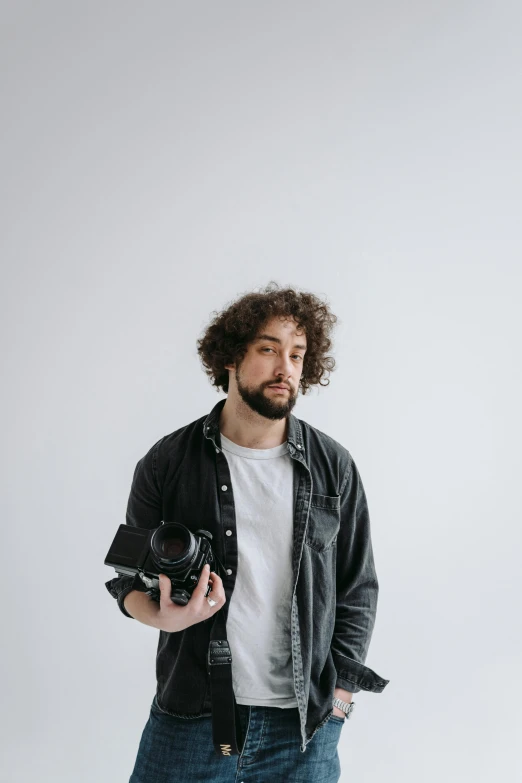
(283, 370)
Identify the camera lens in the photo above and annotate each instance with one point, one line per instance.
(173, 547)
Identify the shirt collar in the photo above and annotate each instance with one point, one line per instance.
(294, 433)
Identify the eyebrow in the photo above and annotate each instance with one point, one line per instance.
(276, 340)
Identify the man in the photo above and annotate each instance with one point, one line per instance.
(288, 514)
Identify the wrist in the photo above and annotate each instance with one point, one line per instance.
(340, 693)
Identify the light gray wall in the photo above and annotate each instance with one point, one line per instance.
(160, 159)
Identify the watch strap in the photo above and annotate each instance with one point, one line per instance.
(345, 706)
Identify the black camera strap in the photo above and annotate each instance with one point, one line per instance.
(226, 726)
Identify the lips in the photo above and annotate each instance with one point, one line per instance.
(285, 388)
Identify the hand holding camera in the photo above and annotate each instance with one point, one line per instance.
(172, 617)
(174, 564)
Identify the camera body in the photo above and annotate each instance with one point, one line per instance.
(170, 549)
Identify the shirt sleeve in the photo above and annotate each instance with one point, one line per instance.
(357, 590)
(145, 510)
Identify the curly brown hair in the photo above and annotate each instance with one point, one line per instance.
(227, 337)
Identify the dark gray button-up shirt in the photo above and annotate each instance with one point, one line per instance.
(185, 478)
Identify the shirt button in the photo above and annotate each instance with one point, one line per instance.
(299, 446)
(229, 571)
(228, 532)
(217, 451)
(224, 487)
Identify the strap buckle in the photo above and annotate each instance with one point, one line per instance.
(219, 653)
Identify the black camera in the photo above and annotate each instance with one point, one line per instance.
(170, 549)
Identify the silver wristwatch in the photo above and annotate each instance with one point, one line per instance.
(345, 706)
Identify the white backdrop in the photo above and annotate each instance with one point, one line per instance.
(160, 159)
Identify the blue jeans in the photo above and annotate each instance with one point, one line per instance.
(180, 750)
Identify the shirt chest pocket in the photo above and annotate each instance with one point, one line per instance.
(323, 522)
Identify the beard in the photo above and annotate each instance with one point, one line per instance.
(271, 408)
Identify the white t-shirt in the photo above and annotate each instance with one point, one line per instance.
(258, 623)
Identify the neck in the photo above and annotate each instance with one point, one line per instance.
(243, 426)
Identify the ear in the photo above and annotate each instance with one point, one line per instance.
(230, 366)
